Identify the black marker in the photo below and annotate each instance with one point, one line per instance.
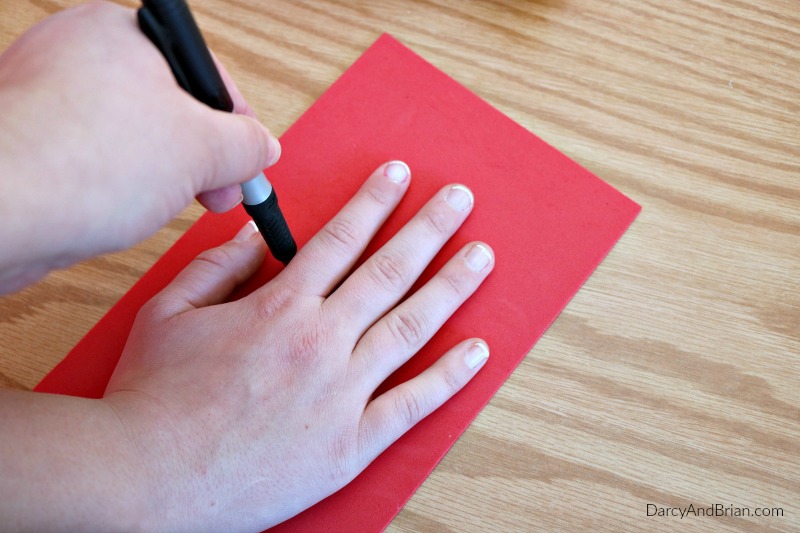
(171, 27)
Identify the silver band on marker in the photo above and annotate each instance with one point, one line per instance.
(257, 190)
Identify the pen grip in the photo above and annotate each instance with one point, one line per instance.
(272, 225)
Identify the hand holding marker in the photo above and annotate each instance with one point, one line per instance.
(170, 26)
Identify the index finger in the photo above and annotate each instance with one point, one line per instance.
(240, 105)
(322, 263)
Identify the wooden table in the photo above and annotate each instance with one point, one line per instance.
(672, 378)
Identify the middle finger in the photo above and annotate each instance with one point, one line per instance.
(385, 277)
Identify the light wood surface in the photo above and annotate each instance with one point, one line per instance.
(672, 378)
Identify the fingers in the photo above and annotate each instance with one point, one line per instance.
(405, 329)
(394, 412)
(221, 200)
(386, 276)
(213, 274)
(238, 148)
(243, 147)
(331, 253)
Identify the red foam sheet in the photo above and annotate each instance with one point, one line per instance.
(549, 221)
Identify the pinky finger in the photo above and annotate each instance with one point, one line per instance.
(390, 415)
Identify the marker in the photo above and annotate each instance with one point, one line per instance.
(169, 24)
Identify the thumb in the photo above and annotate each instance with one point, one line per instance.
(240, 148)
(212, 275)
(220, 199)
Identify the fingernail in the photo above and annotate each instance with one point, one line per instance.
(240, 200)
(459, 197)
(477, 354)
(274, 150)
(247, 232)
(397, 171)
(478, 257)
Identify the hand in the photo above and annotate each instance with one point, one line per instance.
(100, 147)
(248, 412)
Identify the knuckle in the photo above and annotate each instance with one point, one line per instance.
(409, 328)
(215, 258)
(390, 270)
(268, 305)
(452, 381)
(379, 196)
(249, 154)
(454, 283)
(271, 300)
(307, 346)
(437, 221)
(152, 310)
(410, 408)
(343, 233)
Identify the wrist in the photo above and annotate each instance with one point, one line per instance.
(166, 498)
(67, 465)
(137, 429)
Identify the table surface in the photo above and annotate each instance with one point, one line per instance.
(672, 377)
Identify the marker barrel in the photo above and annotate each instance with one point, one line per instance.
(273, 227)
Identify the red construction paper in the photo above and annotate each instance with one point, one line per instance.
(549, 221)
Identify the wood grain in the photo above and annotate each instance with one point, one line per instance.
(672, 377)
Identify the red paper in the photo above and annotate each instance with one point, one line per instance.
(549, 221)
